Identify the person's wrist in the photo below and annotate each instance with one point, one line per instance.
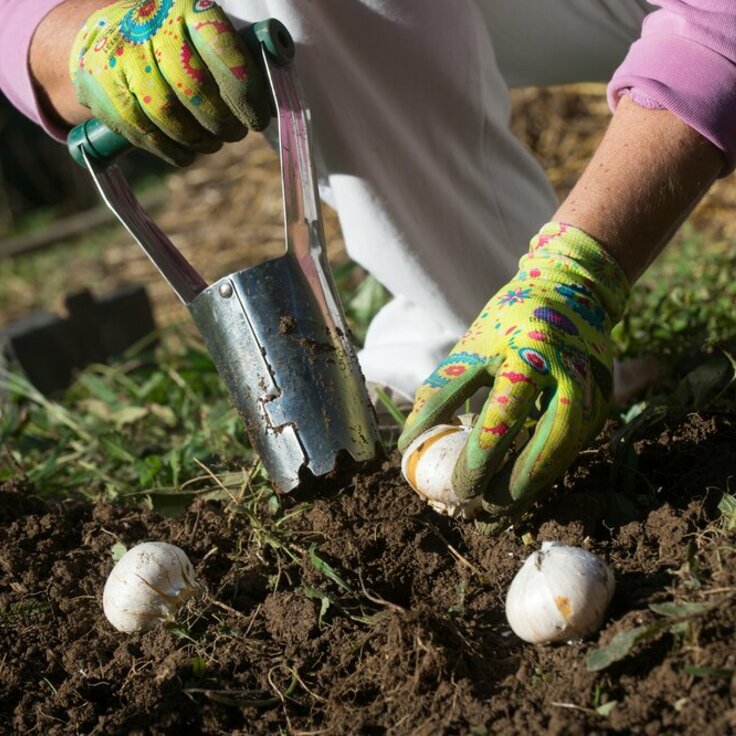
(648, 172)
(48, 60)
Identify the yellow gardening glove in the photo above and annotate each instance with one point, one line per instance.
(543, 339)
(172, 76)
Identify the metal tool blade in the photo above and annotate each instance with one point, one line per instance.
(305, 240)
(115, 190)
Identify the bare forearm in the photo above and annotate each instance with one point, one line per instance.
(49, 59)
(646, 176)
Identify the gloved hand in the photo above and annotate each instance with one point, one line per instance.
(172, 76)
(546, 336)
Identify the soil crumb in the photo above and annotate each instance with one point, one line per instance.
(287, 324)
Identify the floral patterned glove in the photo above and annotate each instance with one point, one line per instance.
(542, 339)
(172, 76)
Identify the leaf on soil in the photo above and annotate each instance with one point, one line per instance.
(678, 610)
(179, 631)
(620, 646)
(327, 570)
(722, 672)
(322, 597)
(605, 709)
(117, 551)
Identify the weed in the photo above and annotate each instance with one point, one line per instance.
(603, 703)
(390, 406)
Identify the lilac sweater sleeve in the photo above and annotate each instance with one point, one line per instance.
(18, 21)
(685, 62)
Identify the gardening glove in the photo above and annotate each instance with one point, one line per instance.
(543, 338)
(172, 76)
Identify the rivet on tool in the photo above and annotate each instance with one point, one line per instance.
(226, 290)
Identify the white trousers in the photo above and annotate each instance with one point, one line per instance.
(409, 104)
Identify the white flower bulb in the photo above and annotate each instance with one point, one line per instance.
(428, 463)
(149, 583)
(559, 594)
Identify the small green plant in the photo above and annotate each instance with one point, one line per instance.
(603, 703)
(387, 402)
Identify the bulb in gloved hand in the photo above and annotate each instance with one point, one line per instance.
(149, 583)
(560, 593)
(429, 461)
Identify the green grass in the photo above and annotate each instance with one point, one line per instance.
(156, 428)
(685, 303)
(143, 428)
(140, 426)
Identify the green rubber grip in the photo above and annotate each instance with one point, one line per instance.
(273, 35)
(98, 141)
(104, 145)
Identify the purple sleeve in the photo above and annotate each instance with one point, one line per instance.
(18, 21)
(685, 62)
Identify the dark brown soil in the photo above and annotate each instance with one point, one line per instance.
(368, 613)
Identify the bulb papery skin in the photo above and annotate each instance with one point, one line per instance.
(560, 593)
(428, 463)
(149, 583)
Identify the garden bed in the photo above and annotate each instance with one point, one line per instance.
(363, 611)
